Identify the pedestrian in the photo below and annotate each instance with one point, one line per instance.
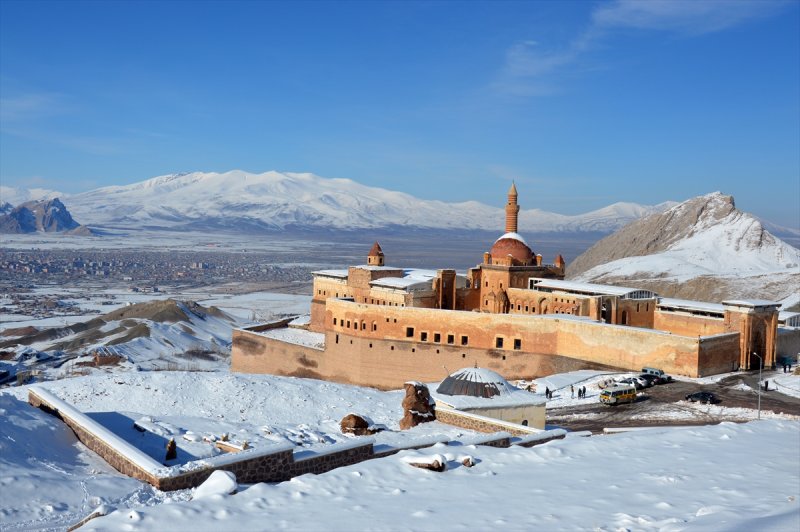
(547, 392)
(766, 386)
(584, 392)
(572, 390)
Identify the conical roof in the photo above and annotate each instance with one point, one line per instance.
(376, 250)
(475, 382)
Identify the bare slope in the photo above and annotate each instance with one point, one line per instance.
(703, 248)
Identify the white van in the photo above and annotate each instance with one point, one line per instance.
(653, 371)
(618, 395)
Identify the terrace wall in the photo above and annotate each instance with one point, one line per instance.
(276, 464)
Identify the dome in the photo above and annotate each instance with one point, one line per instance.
(475, 382)
(514, 245)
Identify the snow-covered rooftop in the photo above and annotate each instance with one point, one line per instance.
(686, 304)
(789, 319)
(585, 288)
(751, 303)
(296, 336)
(339, 274)
(513, 236)
(480, 388)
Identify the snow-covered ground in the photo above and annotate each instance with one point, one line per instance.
(663, 479)
(690, 479)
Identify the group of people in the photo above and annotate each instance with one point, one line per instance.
(548, 393)
(581, 391)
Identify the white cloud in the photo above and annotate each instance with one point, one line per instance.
(529, 68)
(25, 107)
(682, 16)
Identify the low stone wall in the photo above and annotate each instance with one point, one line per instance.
(471, 421)
(274, 464)
(79, 422)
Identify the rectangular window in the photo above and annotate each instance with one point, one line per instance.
(517, 344)
(348, 324)
(423, 336)
(334, 321)
(374, 326)
(464, 340)
(437, 337)
(363, 325)
(498, 342)
(451, 339)
(409, 332)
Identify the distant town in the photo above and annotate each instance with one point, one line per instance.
(22, 272)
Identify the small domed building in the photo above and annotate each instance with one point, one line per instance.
(485, 392)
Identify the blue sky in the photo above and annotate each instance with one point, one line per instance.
(582, 103)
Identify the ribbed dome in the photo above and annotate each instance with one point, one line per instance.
(514, 245)
(475, 382)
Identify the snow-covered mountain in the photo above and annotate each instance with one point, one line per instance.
(239, 200)
(703, 248)
(15, 196)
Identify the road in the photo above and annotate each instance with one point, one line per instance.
(664, 405)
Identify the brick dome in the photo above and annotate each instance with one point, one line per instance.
(514, 245)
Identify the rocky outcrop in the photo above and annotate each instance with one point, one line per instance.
(418, 406)
(48, 216)
(702, 249)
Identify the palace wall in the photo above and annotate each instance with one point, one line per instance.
(687, 324)
(386, 346)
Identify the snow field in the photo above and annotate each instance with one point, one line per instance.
(688, 479)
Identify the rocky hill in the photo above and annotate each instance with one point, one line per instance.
(146, 335)
(704, 248)
(46, 216)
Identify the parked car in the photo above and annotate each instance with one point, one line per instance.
(661, 377)
(650, 378)
(633, 381)
(703, 397)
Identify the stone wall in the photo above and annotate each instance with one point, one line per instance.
(385, 346)
(277, 464)
(478, 423)
(688, 324)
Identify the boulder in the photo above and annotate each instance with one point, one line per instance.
(357, 425)
(418, 406)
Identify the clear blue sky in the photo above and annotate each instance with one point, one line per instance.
(583, 103)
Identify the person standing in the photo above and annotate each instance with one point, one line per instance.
(572, 390)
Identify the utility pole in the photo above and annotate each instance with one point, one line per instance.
(760, 366)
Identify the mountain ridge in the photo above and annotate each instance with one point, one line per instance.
(277, 200)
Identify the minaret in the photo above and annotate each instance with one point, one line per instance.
(512, 210)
